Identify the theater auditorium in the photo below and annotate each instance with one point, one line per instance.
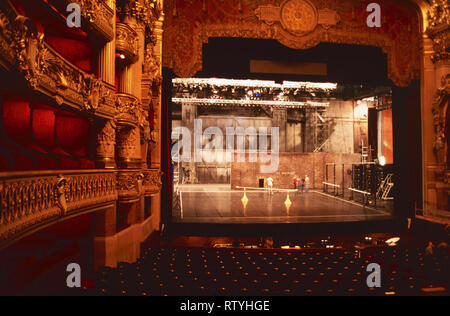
(224, 148)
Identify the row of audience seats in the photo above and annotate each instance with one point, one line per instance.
(260, 272)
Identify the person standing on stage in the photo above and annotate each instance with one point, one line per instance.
(307, 183)
(183, 175)
(270, 184)
(299, 184)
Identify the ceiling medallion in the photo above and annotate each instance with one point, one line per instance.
(298, 16)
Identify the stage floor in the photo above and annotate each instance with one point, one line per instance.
(219, 204)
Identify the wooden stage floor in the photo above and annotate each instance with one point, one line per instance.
(219, 204)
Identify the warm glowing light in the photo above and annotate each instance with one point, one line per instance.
(244, 200)
(392, 241)
(247, 101)
(288, 202)
(122, 56)
(382, 160)
(256, 83)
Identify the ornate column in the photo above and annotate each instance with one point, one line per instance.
(157, 100)
(436, 91)
(105, 132)
(153, 71)
(107, 54)
(128, 137)
(105, 145)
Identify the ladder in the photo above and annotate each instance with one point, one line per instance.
(364, 154)
(385, 188)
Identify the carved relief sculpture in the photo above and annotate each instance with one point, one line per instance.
(298, 24)
(441, 128)
(47, 72)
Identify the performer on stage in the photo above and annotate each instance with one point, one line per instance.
(299, 184)
(307, 183)
(270, 184)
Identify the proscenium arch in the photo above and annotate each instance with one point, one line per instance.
(190, 24)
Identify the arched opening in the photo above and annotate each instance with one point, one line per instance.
(368, 124)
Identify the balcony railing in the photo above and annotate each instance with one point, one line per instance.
(32, 200)
(97, 17)
(24, 52)
(127, 43)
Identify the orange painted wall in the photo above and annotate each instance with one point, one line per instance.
(388, 142)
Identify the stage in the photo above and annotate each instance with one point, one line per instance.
(218, 204)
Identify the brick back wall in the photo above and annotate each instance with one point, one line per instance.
(295, 165)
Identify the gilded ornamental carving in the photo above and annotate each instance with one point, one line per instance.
(128, 110)
(97, 16)
(152, 181)
(440, 110)
(342, 22)
(144, 11)
(127, 42)
(28, 200)
(106, 141)
(298, 16)
(47, 72)
(129, 185)
(439, 29)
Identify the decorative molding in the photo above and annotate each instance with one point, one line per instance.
(152, 66)
(144, 11)
(342, 23)
(298, 17)
(152, 181)
(127, 42)
(32, 199)
(97, 17)
(128, 110)
(106, 140)
(129, 185)
(440, 109)
(47, 72)
(439, 29)
(128, 148)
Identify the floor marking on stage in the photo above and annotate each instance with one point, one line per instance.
(312, 191)
(353, 203)
(228, 191)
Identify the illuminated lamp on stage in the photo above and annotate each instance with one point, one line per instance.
(382, 161)
(392, 241)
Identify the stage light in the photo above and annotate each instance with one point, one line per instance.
(122, 56)
(382, 161)
(392, 241)
(358, 102)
